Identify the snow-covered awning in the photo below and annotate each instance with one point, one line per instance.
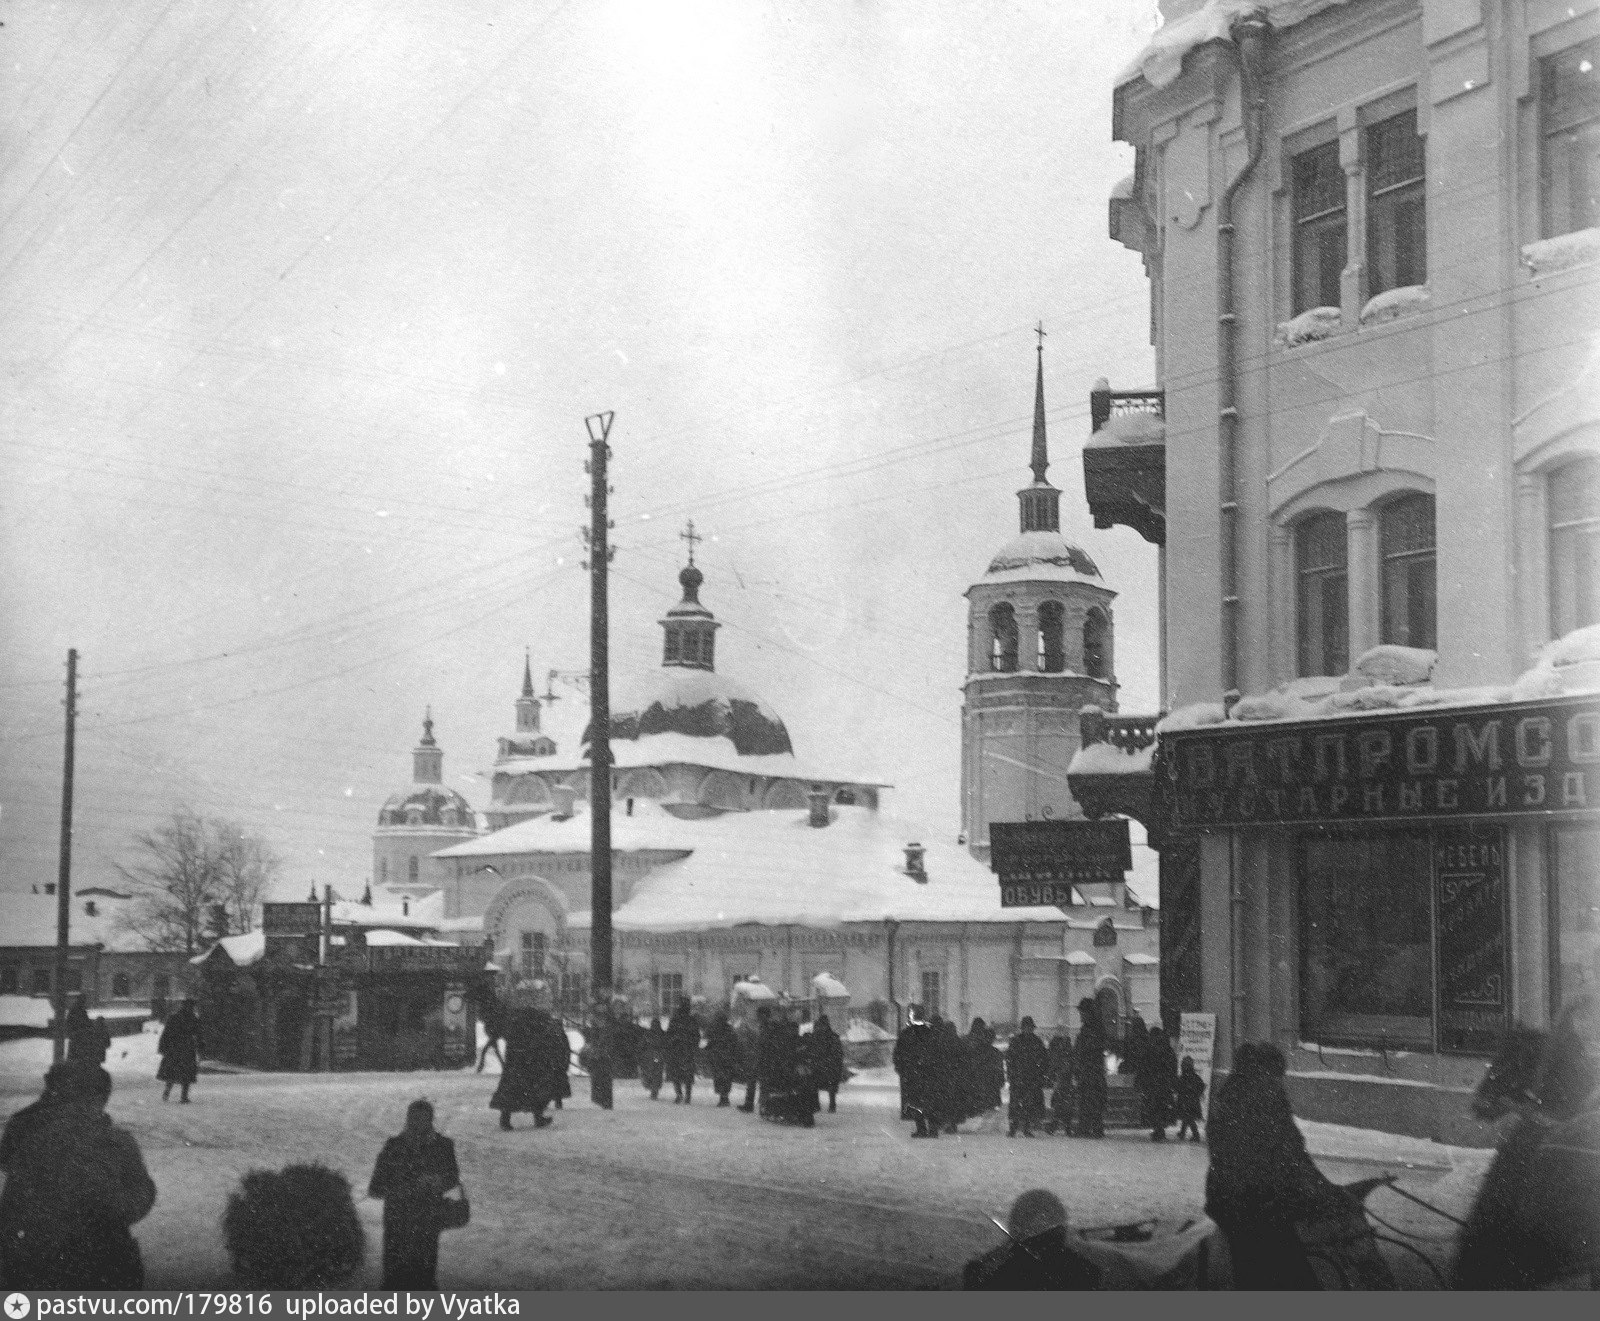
(829, 987)
(241, 951)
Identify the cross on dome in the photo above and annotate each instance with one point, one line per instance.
(691, 536)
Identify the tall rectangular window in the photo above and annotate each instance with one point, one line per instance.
(1576, 892)
(8, 981)
(1318, 202)
(1366, 949)
(1569, 127)
(41, 981)
(1322, 604)
(533, 945)
(1397, 231)
(1405, 539)
(1574, 546)
(666, 989)
(932, 994)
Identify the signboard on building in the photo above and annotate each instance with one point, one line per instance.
(291, 919)
(1519, 758)
(1039, 862)
(425, 958)
(1197, 1038)
(1470, 906)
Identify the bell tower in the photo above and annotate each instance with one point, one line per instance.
(1039, 649)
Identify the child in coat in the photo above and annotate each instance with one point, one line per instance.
(1190, 1088)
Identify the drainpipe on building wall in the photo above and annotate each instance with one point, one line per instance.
(1249, 34)
(890, 926)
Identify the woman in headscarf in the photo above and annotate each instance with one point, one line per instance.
(180, 1048)
(1089, 1071)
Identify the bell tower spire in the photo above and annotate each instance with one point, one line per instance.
(1041, 502)
(427, 759)
(528, 702)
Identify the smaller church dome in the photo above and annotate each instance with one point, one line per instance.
(428, 805)
(1042, 555)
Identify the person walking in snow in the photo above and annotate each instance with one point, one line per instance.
(1158, 1079)
(180, 1048)
(913, 1057)
(986, 1069)
(537, 1056)
(1059, 1063)
(755, 1046)
(723, 1054)
(74, 1183)
(413, 1173)
(827, 1057)
(1089, 1072)
(1027, 1065)
(1188, 1091)
(653, 1058)
(948, 1077)
(683, 1044)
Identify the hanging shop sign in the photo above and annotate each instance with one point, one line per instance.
(452, 959)
(1039, 862)
(1523, 758)
(291, 919)
(1469, 895)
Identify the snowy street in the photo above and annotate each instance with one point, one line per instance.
(654, 1195)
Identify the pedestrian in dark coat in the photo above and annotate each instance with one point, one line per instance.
(74, 1184)
(801, 1077)
(986, 1069)
(1037, 1255)
(683, 1044)
(1190, 1088)
(913, 1056)
(1027, 1066)
(1089, 1072)
(827, 1060)
(949, 1077)
(653, 1058)
(1059, 1057)
(413, 1173)
(752, 1050)
(536, 1066)
(722, 1056)
(1158, 1079)
(180, 1047)
(1134, 1040)
(1261, 1182)
(88, 1041)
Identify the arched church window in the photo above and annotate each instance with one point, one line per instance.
(1052, 653)
(673, 652)
(411, 868)
(1094, 645)
(1002, 639)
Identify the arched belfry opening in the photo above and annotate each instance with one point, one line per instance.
(1052, 637)
(1003, 638)
(1096, 637)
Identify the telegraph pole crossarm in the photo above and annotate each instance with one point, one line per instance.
(600, 974)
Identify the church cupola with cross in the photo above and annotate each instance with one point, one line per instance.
(427, 758)
(690, 629)
(1039, 649)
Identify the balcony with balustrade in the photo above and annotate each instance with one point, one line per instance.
(1125, 460)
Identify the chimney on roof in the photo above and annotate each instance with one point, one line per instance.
(566, 801)
(818, 799)
(914, 865)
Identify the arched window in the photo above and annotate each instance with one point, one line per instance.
(411, 868)
(1094, 645)
(1322, 606)
(1405, 539)
(1052, 654)
(1002, 639)
(673, 651)
(1574, 546)
(121, 986)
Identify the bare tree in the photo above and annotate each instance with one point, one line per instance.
(186, 869)
(248, 867)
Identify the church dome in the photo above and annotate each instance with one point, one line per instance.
(1042, 555)
(428, 805)
(700, 704)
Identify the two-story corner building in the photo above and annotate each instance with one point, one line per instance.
(1369, 464)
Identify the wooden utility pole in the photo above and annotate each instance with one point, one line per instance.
(599, 763)
(64, 870)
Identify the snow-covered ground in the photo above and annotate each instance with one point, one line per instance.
(654, 1195)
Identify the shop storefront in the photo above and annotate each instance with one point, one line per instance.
(1384, 894)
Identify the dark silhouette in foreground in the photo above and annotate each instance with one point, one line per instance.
(1037, 1254)
(413, 1173)
(294, 1228)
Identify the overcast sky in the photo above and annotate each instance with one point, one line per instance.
(305, 304)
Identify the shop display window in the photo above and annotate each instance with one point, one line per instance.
(1576, 892)
(1366, 966)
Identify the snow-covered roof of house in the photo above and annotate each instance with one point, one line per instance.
(1161, 60)
(387, 938)
(30, 919)
(775, 868)
(421, 914)
(714, 752)
(241, 950)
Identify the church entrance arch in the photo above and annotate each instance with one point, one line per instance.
(526, 920)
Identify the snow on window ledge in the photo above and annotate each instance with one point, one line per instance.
(1318, 323)
(1563, 252)
(1392, 304)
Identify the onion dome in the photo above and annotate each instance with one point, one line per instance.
(426, 801)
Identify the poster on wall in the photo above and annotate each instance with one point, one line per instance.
(1470, 906)
(1197, 1038)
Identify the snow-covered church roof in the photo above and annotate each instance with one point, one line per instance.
(1042, 557)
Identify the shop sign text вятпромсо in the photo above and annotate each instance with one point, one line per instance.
(1523, 758)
